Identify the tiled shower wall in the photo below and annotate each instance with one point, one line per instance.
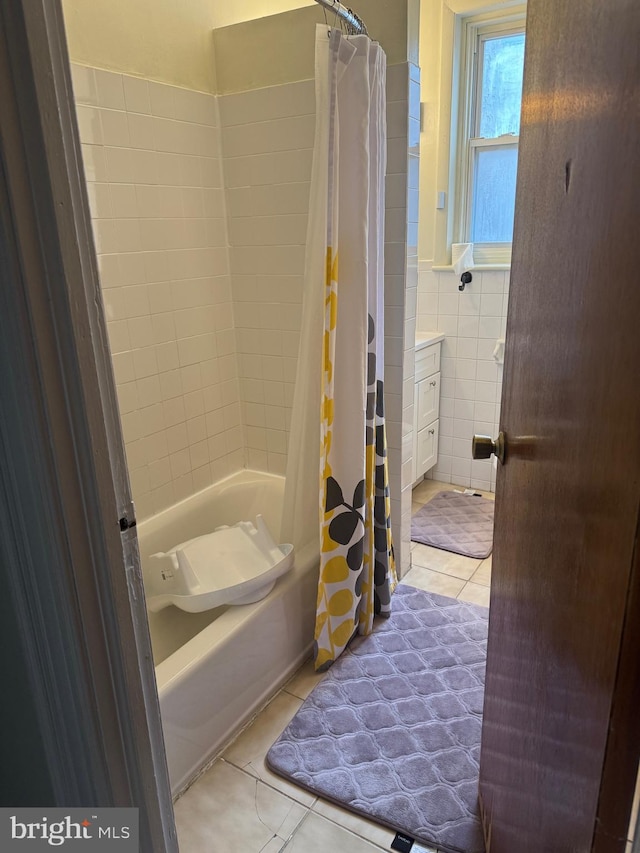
(410, 306)
(403, 99)
(267, 137)
(204, 296)
(152, 163)
(472, 321)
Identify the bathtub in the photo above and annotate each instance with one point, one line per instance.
(215, 669)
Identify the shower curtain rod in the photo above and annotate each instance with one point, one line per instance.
(355, 24)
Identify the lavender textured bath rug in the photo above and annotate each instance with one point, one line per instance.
(393, 730)
(454, 522)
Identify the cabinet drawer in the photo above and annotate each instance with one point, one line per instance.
(427, 361)
(427, 448)
(427, 401)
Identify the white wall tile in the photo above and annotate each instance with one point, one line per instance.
(118, 336)
(397, 119)
(115, 128)
(466, 406)
(110, 90)
(100, 201)
(489, 327)
(124, 204)
(276, 134)
(119, 162)
(448, 325)
(468, 327)
(136, 95)
(485, 348)
(469, 304)
(448, 303)
(268, 103)
(465, 368)
(140, 331)
(492, 282)
(89, 125)
(141, 131)
(95, 163)
(84, 84)
(467, 348)
(487, 371)
(491, 305)
(162, 254)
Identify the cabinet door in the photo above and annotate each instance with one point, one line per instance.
(427, 361)
(427, 448)
(428, 401)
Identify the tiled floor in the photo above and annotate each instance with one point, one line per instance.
(239, 806)
(442, 572)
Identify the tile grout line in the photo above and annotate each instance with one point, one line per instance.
(266, 782)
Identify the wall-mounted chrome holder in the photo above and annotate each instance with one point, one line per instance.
(465, 279)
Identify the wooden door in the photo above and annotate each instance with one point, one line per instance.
(562, 706)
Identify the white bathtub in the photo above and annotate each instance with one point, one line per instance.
(215, 669)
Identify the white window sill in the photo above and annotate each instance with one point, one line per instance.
(474, 268)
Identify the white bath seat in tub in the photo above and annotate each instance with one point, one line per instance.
(232, 565)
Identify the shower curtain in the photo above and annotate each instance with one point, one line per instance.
(337, 427)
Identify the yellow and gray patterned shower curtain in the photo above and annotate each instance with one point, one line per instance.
(343, 324)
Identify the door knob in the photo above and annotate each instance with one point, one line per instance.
(483, 446)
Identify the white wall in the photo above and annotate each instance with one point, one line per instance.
(238, 11)
(471, 380)
(279, 49)
(437, 32)
(161, 40)
(436, 57)
(152, 162)
(473, 320)
(267, 137)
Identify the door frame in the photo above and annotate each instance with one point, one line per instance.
(622, 752)
(73, 575)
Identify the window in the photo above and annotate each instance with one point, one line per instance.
(492, 61)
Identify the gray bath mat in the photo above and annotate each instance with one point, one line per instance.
(393, 730)
(454, 522)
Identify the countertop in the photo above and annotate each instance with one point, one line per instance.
(425, 339)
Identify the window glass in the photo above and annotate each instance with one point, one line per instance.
(501, 98)
(494, 194)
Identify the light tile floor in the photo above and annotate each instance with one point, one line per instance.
(440, 571)
(239, 806)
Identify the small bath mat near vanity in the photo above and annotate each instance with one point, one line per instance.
(393, 731)
(455, 522)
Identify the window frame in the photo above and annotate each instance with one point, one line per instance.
(472, 33)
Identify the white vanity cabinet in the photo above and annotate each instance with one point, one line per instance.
(426, 404)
